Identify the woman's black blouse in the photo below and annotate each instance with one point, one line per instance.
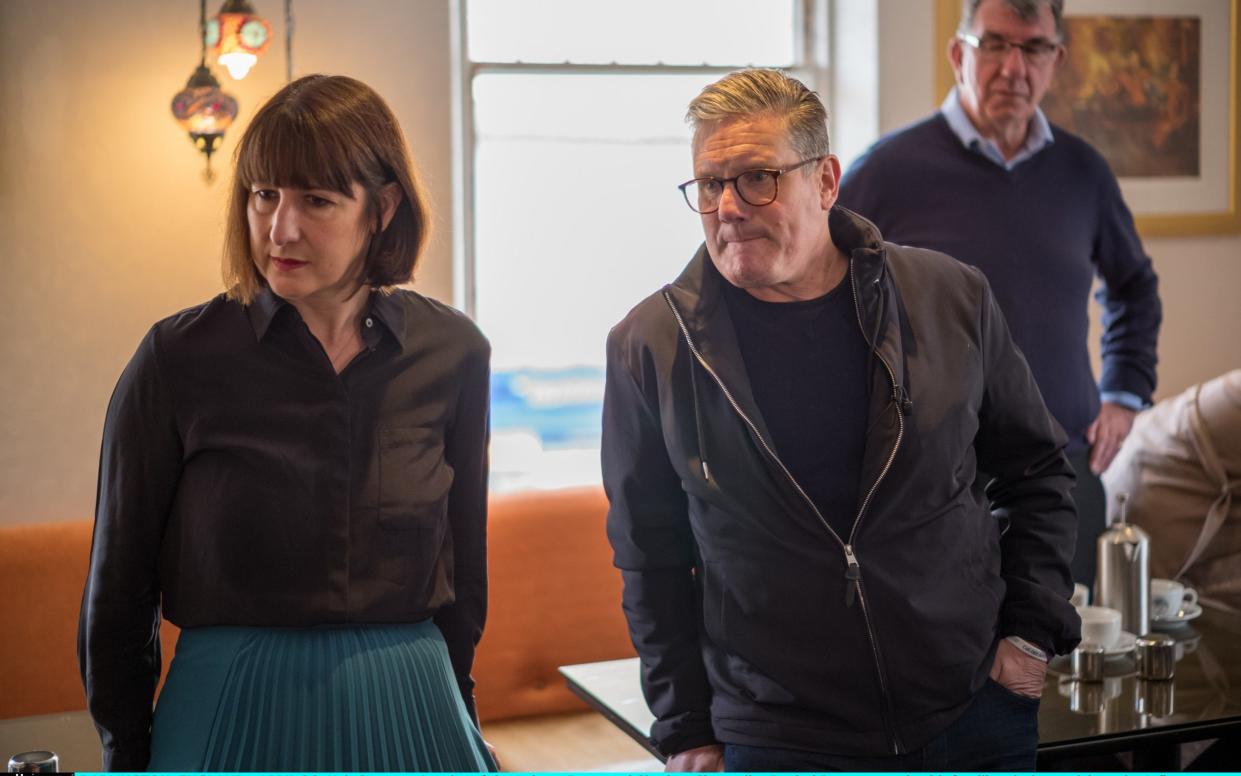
(242, 481)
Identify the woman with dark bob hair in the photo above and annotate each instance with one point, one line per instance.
(295, 474)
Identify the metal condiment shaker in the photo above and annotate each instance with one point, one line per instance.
(1156, 656)
(1088, 661)
(34, 762)
(1124, 574)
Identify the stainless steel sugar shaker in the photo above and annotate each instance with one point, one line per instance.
(1088, 661)
(34, 762)
(1156, 656)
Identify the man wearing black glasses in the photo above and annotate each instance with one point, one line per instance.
(988, 180)
(815, 578)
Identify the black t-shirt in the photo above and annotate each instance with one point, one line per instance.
(807, 367)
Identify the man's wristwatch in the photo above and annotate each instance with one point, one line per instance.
(1028, 648)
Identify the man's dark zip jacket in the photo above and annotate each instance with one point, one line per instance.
(756, 623)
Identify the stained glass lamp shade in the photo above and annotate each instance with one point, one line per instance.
(238, 36)
(204, 110)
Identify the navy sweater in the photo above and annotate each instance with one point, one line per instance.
(1040, 233)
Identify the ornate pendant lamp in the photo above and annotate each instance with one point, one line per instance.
(203, 109)
(238, 36)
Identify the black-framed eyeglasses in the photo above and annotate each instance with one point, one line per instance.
(1036, 51)
(755, 187)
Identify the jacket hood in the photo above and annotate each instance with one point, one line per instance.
(698, 286)
(699, 289)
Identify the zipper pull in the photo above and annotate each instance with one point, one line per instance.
(853, 573)
(900, 398)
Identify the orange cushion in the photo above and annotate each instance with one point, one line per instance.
(42, 573)
(555, 600)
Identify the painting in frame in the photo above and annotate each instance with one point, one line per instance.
(1154, 86)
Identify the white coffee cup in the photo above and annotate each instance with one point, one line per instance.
(1100, 625)
(1168, 597)
(1081, 595)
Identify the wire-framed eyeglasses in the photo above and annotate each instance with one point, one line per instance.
(754, 187)
(1036, 51)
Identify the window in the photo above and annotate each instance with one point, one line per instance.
(572, 142)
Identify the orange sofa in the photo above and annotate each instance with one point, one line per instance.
(555, 600)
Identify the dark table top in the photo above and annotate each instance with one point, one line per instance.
(1201, 701)
(1123, 712)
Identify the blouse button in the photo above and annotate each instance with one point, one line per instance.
(370, 322)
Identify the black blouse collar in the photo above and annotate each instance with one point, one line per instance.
(384, 307)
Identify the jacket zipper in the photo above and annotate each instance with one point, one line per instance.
(853, 569)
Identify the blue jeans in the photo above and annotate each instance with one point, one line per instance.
(997, 732)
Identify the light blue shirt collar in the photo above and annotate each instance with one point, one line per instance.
(1038, 138)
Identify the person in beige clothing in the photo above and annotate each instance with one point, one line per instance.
(1180, 469)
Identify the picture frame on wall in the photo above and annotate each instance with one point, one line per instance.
(1154, 86)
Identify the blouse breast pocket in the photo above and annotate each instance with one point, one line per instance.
(414, 478)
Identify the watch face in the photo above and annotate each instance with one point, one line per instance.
(253, 34)
(211, 35)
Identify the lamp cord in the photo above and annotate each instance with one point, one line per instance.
(202, 33)
(288, 40)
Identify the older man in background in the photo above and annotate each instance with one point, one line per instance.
(989, 181)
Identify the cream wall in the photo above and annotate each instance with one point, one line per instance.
(105, 222)
(106, 225)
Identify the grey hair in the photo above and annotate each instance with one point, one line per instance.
(762, 92)
(1026, 9)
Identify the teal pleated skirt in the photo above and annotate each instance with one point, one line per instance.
(355, 698)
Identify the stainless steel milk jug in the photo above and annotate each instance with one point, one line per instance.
(1123, 581)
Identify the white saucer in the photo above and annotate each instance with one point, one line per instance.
(1123, 646)
(1186, 613)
